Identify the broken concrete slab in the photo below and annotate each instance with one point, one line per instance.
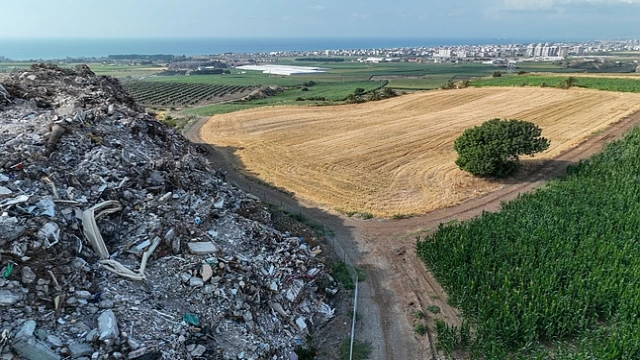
(55, 341)
(77, 350)
(32, 349)
(202, 248)
(107, 326)
(28, 276)
(206, 272)
(10, 229)
(9, 298)
(27, 330)
(195, 281)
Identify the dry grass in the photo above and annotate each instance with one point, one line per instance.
(396, 156)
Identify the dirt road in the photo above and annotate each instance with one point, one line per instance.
(397, 281)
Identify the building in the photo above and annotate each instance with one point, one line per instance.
(444, 53)
(538, 50)
(531, 50)
(563, 51)
(374, 60)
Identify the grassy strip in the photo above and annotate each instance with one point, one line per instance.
(599, 83)
(361, 350)
(319, 94)
(340, 272)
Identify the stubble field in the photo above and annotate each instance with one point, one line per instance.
(396, 156)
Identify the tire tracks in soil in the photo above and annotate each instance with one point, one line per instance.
(397, 281)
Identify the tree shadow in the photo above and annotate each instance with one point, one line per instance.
(534, 170)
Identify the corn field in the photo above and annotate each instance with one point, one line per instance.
(555, 273)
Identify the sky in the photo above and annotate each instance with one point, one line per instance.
(468, 19)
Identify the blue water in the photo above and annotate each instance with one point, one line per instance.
(48, 49)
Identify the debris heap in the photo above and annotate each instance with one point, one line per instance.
(118, 241)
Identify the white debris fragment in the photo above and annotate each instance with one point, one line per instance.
(46, 207)
(302, 325)
(202, 248)
(50, 233)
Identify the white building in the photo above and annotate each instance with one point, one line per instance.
(563, 52)
(444, 53)
(373, 60)
(531, 50)
(538, 50)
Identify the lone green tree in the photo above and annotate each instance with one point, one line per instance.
(494, 148)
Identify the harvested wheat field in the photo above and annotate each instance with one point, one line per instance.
(396, 156)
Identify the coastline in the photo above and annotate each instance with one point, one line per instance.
(58, 48)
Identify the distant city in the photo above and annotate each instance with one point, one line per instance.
(461, 53)
(497, 54)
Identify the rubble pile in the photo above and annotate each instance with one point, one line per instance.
(117, 241)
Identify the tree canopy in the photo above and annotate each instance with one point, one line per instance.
(493, 148)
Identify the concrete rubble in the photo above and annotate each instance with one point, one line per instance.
(170, 271)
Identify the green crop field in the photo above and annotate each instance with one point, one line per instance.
(428, 83)
(341, 72)
(320, 94)
(554, 274)
(237, 77)
(599, 83)
(179, 94)
(341, 79)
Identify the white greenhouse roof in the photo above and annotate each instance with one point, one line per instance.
(284, 69)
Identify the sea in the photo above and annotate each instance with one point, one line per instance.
(49, 49)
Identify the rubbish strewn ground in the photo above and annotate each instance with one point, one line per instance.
(216, 280)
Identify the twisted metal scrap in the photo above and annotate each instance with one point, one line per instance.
(92, 233)
(90, 227)
(5, 93)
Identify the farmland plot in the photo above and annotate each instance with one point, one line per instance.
(180, 94)
(396, 156)
(554, 274)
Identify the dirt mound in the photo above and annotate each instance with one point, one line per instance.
(262, 93)
(118, 240)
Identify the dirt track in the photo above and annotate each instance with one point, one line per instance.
(397, 282)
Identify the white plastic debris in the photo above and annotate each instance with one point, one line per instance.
(15, 200)
(50, 233)
(46, 207)
(302, 325)
(219, 204)
(326, 310)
